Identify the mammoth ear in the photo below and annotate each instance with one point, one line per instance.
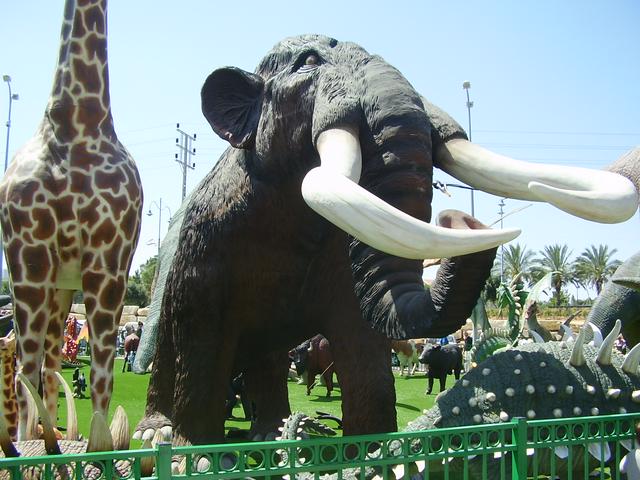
(231, 100)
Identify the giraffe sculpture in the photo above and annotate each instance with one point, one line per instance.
(71, 204)
(9, 403)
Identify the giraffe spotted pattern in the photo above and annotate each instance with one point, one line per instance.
(71, 207)
(9, 403)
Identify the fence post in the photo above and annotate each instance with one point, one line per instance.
(163, 465)
(519, 457)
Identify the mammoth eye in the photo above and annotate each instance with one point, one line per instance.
(307, 62)
(312, 59)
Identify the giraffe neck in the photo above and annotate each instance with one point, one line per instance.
(79, 105)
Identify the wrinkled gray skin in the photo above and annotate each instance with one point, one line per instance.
(627, 165)
(257, 270)
(442, 360)
(618, 301)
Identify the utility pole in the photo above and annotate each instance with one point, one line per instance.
(466, 85)
(12, 97)
(501, 212)
(186, 151)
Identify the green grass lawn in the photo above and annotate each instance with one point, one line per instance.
(130, 391)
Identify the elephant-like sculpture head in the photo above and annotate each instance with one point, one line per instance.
(364, 144)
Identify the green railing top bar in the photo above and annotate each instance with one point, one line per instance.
(512, 449)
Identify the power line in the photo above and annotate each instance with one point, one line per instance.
(548, 132)
(559, 146)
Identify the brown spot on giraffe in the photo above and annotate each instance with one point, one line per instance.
(63, 208)
(20, 217)
(38, 322)
(36, 259)
(79, 30)
(88, 75)
(29, 368)
(112, 294)
(45, 223)
(111, 180)
(90, 114)
(90, 214)
(24, 195)
(34, 295)
(117, 204)
(103, 234)
(96, 21)
(81, 183)
(102, 321)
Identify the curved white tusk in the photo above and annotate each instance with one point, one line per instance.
(119, 429)
(72, 416)
(577, 354)
(567, 335)
(50, 441)
(597, 336)
(536, 337)
(100, 439)
(599, 451)
(604, 354)
(595, 195)
(358, 212)
(339, 150)
(632, 360)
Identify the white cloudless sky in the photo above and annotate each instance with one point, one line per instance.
(551, 82)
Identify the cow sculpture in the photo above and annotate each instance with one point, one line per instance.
(314, 357)
(407, 354)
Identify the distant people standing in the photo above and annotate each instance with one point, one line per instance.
(620, 344)
(468, 345)
(131, 343)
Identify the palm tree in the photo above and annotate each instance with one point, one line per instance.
(555, 258)
(517, 260)
(595, 265)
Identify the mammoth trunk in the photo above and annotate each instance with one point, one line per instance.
(394, 299)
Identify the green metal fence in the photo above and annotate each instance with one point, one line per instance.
(565, 448)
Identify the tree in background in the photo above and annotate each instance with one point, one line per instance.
(555, 258)
(517, 260)
(140, 283)
(595, 266)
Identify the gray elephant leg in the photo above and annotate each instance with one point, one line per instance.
(266, 383)
(203, 373)
(363, 366)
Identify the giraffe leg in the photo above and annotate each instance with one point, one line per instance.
(31, 304)
(9, 402)
(103, 297)
(52, 354)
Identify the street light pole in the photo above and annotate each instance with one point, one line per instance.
(466, 85)
(501, 212)
(150, 213)
(12, 97)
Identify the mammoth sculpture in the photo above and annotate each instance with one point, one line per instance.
(316, 221)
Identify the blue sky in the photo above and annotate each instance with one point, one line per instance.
(551, 82)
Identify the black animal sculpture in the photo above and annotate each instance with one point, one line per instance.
(315, 221)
